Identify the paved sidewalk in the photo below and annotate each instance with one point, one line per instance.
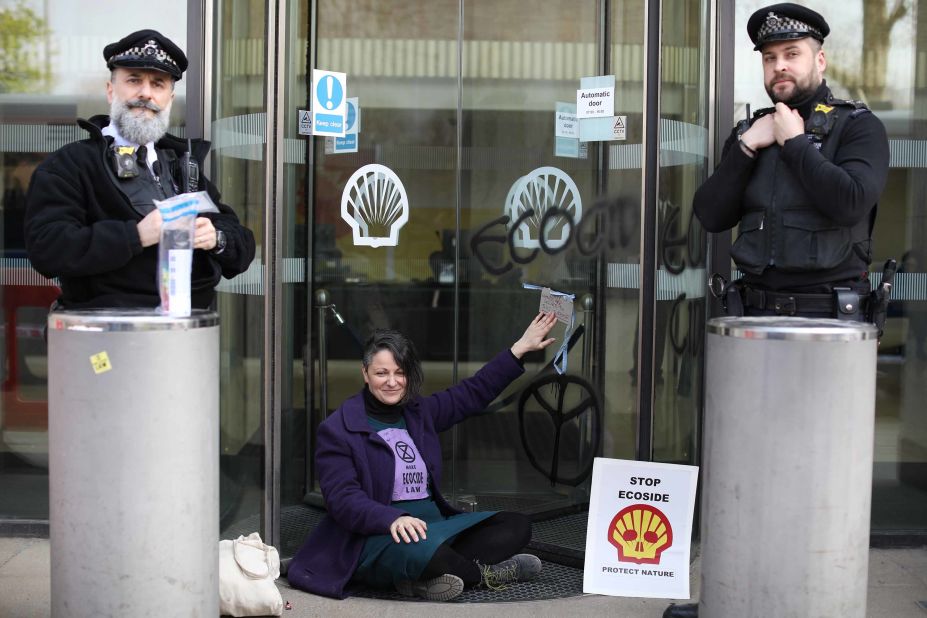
(897, 581)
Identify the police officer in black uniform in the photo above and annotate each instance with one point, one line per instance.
(90, 214)
(802, 180)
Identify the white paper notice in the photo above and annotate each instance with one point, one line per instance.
(639, 529)
(595, 102)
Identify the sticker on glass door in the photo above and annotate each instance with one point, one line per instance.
(374, 204)
(544, 207)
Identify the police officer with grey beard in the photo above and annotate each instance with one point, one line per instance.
(90, 218)
(801, 179)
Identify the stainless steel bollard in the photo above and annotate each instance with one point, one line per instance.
(789, 417)
(133, 463)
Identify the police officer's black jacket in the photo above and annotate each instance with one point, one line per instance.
(81, 227)
(805, 209)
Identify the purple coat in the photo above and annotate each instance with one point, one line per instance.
(356, 470)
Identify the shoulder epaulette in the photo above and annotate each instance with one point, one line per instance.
(859, 107)
(856, 104)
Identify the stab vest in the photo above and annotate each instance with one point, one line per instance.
(143, 189)
(780, 227)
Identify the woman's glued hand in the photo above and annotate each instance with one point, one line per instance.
(535, 335)
(409, 529)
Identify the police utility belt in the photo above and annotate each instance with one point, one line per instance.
(842, 303)
(736, 296)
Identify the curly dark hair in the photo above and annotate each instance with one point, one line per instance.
(404, 354)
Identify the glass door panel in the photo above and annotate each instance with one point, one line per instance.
(238, 170)
(617, 335)
(405, 80)
(519, 60)
(681, 241)
(400, 58)
(293, 245)
(495, 203)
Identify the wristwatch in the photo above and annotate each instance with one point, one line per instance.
(220, 243)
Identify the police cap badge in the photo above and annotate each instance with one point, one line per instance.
(146, 49)
(785, 22)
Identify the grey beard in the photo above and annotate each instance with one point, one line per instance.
(139, 129)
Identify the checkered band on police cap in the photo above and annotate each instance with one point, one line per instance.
(147, 49)
(150, 50)
(784, 22)
(776, 24)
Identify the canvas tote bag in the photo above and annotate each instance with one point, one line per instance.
(247, 570)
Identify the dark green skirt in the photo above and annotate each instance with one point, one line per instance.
(385, 562)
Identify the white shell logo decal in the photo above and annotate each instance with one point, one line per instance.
(541, 190)
(375, 205)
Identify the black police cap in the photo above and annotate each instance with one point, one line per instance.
(785, 22)
(146, 49)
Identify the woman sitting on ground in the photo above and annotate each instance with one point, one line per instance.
(379, 462)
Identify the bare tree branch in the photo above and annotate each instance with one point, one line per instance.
(900, 10)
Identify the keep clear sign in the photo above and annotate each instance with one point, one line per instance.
(639, 529)
(348, 143)
(329, 90)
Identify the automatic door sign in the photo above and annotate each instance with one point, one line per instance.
(563, 445)
(566, 132)
(640, 523)
(566, 123)
(375, 205)
(329, 90)
(595, 108)
(595, 102)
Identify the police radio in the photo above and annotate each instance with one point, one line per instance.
(189, 170)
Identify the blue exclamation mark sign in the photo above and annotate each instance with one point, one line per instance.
(329, 93)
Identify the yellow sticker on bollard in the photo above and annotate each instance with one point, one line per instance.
(100, 363)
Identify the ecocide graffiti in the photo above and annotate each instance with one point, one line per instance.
(605, 226)
(544, 216)
(678, 252)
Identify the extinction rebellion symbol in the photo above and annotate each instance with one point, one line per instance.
(641, 533)
(405, 452)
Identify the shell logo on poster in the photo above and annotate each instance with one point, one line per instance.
(636, 511)
(640, 532)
